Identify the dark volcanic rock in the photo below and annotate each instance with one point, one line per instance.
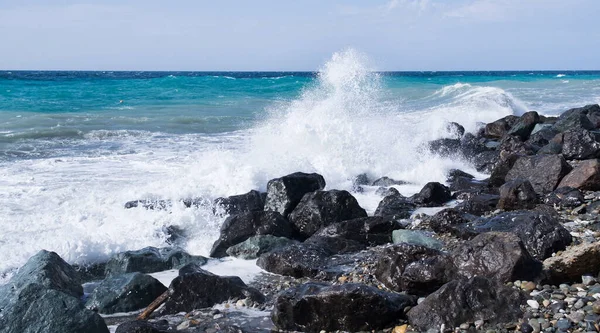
(433, 194)
(335, 245)
(565, 196)
(479, 204)
(369, 231)
(452, 221)
(386, 182)
(243, 203)
(238, 228)
(149, 260)
(579, 144)
(517, 194)
(463, 301)
(313, 307)
(202, 289)
(500, 127)
(575, 120)
(501, 169)
(283, 194)
(143, 326)
(415, 269)
(523, 127)
(298, 260)
(585, 176)
(322, 208)
(541, 233)
(496, 255)
(254, 246)
(453, 174)
(395, 206)
(591, 112)
(544, 172)
(125, 293)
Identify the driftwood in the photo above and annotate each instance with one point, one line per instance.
(154, 305)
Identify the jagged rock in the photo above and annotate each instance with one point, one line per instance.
(573, 121)
(143, 326)
(313, 307)
(544, 172)
(541, 135)
(552, 148)
(387, 182)
(500, 127)
(124, 293)
(515, 145)
(585, 176)
(322, 208)
(579, 144)
(254, 246)
(418, 270)
(243, 203)
(565, 196)
(496, 255)
(385, 191)
(453, 174)
(592, 112)
(395, 206)
(517, 194)
(283, 194)
(334, 245)
(369, 231)
(501, 169)
(202, 289)
(572, 263)
(463, 301)
(433, 194)
(523, 127)
(467, 185)
(451, 221)
(479, 204)
(238, 228)
(416, 237)
(298, 260)
(149, 260)
(485, 160)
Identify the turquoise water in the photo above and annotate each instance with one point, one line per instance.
(75, 146)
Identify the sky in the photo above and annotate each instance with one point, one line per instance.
(277, 35)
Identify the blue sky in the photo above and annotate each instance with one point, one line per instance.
(299, 35)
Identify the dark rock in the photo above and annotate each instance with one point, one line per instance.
(501, 169)
(485, 160)
(91, 272)
(453, 174)
(254, 246)
(496, 255)
(585, 176)
(433, 194)
(369, 231)
(500, 127)
(479, 204)
(385, 191)
(544, 172)
(565, 196)
(335, 245)
(540, 232)
(322, 208)
(395, 206)
(592, 112)
(313, 307)
(387, 182)
(552, 148)
(361, 179)
(243, 203)
(415, 269)
(571, 264)
(142, 326)
(149, 260)
(203, 289)
(455, 130)
(283, 194)
(452, 221)
(298, 260)
(517, 194)
(467, 185)
(579, 144)
(125, 293)
(173, 234)
(515, 145)
(573, 121)
(523, 127)
(542, 136)
(526, 328)
(238, 228)
(464, 301)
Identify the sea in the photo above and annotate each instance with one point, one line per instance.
(75, 146)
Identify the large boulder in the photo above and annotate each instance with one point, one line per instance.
(453, 222)
(298, 260)
(541, 233)
(313, 307)
(574, 120)
(44, 296)
(369, 231)
(544, 172)
(254, 246)
(585, 176)
(592, 113)
(571, 264)
(464, 301)
(283, 194)
(395, 206)
(500, 127)
(579, 144)
(523, 127)
(496, 255)
(433, 194)
(517, 194)
(478, 204)
(415, 269)
(201, 289)
(149, 260)
(238, 228)
(322, 208)
(237, 204)
(565, 196)
(124, 293)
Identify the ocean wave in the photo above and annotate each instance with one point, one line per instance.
(116, 134)
(561, 75)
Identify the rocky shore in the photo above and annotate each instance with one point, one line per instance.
(516, 252)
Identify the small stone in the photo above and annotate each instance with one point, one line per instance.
(400, 329)
(596, 307)
(526, 328)
(218, 316)
(342, 279)
(478, 324)
(576, 317)
(464, 326)
(533, 304)
(535, 324)
(563, 324)
(183, 325)
(546, 302)
(588, 280)
(558, 296)
(579, 304)
(420, 300)
(528, 286)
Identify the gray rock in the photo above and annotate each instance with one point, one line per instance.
(517, 194)
(283, 194)
(544, 172)
(523, 127)
(387, 182)
(579, 144)
(149, 260)
(254, 246)
(369, 231)
(395, 206)
(415, 237)
(243, 203)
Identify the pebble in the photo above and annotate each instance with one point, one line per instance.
(533, 304)
(579, 304)
(546, 303)
(464, 326)
(218, 316)
(596, 307)
(563, 324)
(588, 280)
(528, 286)
(183, 325)
(526, 328)
(400, 329)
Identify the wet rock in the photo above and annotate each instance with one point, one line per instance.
(463, 301)
(150, 204)
(254, 246)
(415, 269)
(500, 127)
(515, 145)
(523, 127)
(124, 293)
(243, 203)
(361, 179)
(579, 144)
(461, 185)
(385, 191)
(574, 120)
(484, 161)
(455, 130)
(203, 289)
(552, 148)
(143, 326)
(501, 168)
(415, 237)
(334, 245)
(585, 176)
(298, 260)
(313, 307)
(451, 221)
(369, 231)
(541, 135)
(238, 228)
(517, 194)
(395, 206)
(496, 255)
(322, 208)
(479, 204)
(565, 196)
(592, 112)
(544, 172)
(433, 194)
(283, 194)
(387, 182)
(453, 174)
(149, 260)
(574, 262)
